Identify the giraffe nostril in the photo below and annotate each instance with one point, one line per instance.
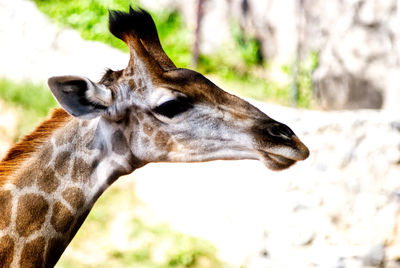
(280, 130)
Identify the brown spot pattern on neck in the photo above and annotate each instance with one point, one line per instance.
(31, 214)
(6, 251)
(5, 208)
(33, 253)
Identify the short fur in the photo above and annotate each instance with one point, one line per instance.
(110, 78)
(22, 151)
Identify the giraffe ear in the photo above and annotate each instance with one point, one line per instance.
(79, 96)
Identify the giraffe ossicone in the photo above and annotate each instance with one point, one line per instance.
(151, 111)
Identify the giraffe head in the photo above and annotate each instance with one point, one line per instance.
(166, 114)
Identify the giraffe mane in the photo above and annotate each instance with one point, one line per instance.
(21, 151)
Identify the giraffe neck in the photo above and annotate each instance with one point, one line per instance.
(44, 202)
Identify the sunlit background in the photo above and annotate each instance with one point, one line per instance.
(329, 69)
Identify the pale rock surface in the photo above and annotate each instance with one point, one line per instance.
(332, 209)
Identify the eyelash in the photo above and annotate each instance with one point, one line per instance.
(173, 107)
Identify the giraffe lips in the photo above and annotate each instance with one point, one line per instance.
(281, 157)
(275, 162)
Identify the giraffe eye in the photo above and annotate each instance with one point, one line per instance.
(173, 107)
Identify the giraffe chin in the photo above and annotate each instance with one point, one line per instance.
(275, 162)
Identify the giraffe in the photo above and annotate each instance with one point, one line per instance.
(151, 111)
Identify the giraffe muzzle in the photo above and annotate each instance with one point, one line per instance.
(278, 145)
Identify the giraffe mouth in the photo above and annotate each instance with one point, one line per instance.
(275, 162)
(280, 157)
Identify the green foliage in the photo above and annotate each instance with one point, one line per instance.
(90, 18)
(235, 66)
(248, 47)
(33, 101)
(28, 95)
(302, 79)
(153, 246)
(174, 37)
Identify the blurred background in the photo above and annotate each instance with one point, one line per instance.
(329, 69)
